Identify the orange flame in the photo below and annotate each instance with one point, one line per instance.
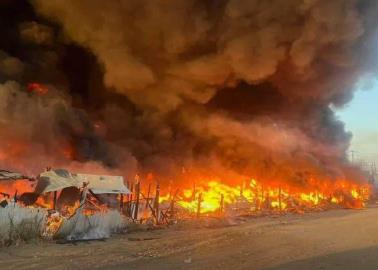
(37, 88)
(214, 195)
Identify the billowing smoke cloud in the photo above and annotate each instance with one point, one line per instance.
(36, 33)
(231, 87)
(41, 128)
(10, 66)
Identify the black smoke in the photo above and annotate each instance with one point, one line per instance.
(229, 88)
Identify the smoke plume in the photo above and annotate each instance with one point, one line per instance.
(231, 88)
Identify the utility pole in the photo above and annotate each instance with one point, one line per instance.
(352, 155)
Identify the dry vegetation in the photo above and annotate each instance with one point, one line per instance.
(330, 240)
(21, 224)
(97, 226)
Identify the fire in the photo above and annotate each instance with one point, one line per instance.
(12, 150)
(10, 188)
(53, 224)
(37, 88)
(68, 152)
(214, 196)
(205, 197)
(210, 197)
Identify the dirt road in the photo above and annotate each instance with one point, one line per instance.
(339, 239)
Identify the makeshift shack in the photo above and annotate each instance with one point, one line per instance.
(103, 188)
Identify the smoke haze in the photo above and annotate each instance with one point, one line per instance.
(235, 88)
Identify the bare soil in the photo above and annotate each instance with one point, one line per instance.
(337, 239)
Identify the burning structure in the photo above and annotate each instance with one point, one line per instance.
(236, 97)
(77, 205)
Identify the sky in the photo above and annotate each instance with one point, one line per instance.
(361, 118)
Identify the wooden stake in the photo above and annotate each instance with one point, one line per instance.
(199, 205)
(157, 203)
(132, 192)
(130, 204)
(55, 199)
(194, 191)
(148, 195)
(128, 195)
(257, 203)
(121, 202)
(128, 200)
(15, 196)
(267, 200)
(137, 194)
(170, 190)
(172, 205)
(150, 206)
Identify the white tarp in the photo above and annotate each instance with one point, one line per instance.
(101, 184)
(59, 179)
(54, 180)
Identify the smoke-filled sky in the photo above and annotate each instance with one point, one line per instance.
(232, 88)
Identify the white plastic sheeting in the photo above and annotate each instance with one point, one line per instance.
(54, 180)
(104, 184)
(7, 175)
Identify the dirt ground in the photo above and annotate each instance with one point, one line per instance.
(338, 239)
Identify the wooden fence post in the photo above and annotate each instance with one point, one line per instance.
(55, 199)
(121, 203)
(137, 194)
(199, 205)
(157, 202)
(148, 195)
(194, 191)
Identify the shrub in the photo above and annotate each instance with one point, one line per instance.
(97, 226)
(21, 224)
